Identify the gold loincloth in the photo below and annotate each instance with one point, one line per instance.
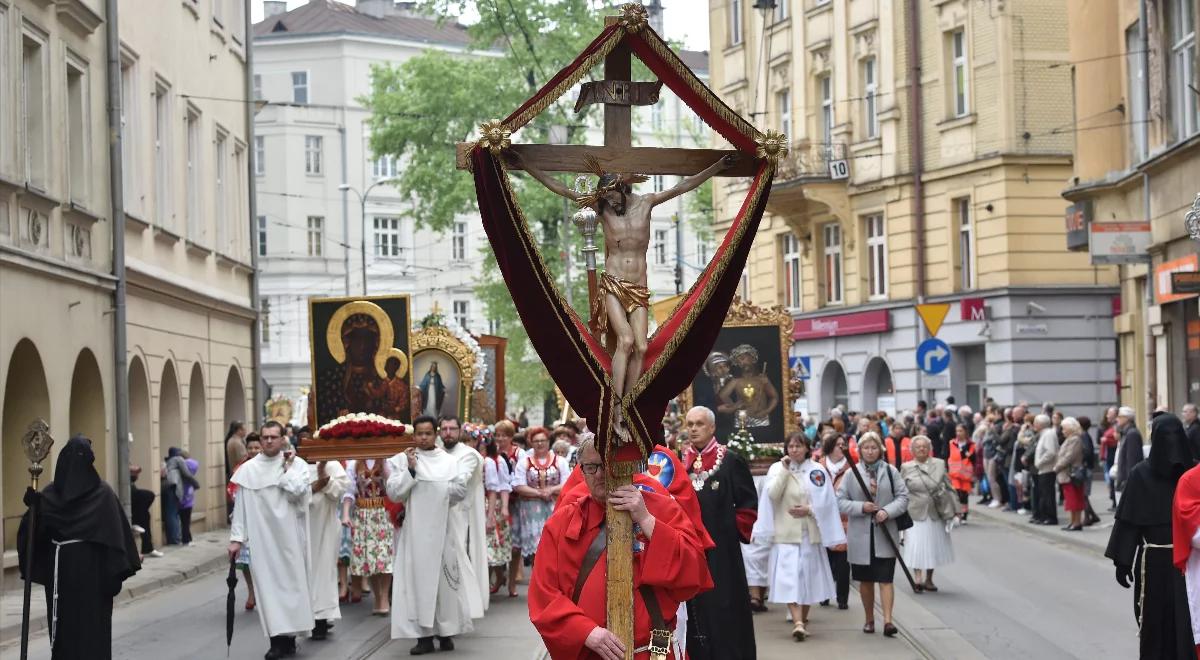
(630, 295)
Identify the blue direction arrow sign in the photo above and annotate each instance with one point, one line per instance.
(933, 356)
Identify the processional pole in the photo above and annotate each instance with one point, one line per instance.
(586, 220)
(36, 442)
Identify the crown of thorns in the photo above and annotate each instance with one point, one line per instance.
(605, 182)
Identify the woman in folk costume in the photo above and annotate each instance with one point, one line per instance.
(804, 520)
(537, 480)
(497, 487)
(1141, 545)
(374, 534)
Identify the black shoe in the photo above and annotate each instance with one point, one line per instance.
(321, 632)
(825, 603)
(1049, 522)
(273, 654)
(287, 644)
(424, 645)
(1092, 520)
(445, 643)
(1073, 528)
(1035, 521)
(843, 606)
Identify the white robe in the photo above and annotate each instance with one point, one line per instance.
(325, 538)
(1191, 578)
(468, 520)
(429, 592)
(272, 515)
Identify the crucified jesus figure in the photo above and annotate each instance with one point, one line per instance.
(622, 305)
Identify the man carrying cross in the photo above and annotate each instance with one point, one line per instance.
(621, 307)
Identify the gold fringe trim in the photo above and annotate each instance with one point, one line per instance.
(551, 96)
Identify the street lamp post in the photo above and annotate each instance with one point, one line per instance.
(362, 203)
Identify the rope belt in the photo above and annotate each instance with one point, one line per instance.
(369, 502)
(1142, 586)
(54, 601)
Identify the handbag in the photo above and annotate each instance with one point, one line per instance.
(903, 521)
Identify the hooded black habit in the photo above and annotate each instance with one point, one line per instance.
(78, 506)
(1140, 545)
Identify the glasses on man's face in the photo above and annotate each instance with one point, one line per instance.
(590, 468)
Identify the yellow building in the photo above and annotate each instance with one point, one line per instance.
(873, 212)
(190, 316)
(1137, 160)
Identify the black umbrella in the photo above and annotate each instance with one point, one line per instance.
(232, 582)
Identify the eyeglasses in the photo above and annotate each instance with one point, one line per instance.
(590, 468)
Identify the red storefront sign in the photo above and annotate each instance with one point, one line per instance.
(972, 309)
(843, 325)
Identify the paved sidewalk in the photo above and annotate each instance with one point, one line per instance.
(206, 554)
(1093, 539)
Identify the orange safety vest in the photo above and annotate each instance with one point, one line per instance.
(962, 472)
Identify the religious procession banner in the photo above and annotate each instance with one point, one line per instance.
(361, 370)
(575, 359)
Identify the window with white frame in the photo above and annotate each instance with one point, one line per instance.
(494, 326)
(783, 105)
(387, 237)
(240, 201)
(877, 267)
(660, 247)
(262, 235)
(316, 235)
(218, 12)
(832, 243)
(792, 291)
(131, 181)
(458, 241)
(1181, 70)
(870, 95)
(966, 243)
(264, 320)
(959, 74)
(260, 155)
(162, 155)
(735, 22)
(195, 226)
(5, 106)
(78, 130)
(33, 108)
(258, 90)
(300, 87)
(656, 117)
(781, 10)
(312, 154)
(825, 91)
(384, 167)
(220, 188)
(462, 313)
(1136, 81)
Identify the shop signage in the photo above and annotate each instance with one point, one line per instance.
(1187, 283)
(1163, 290)
(972, 309)
(1119, 242)
(843, 325)
(1079, 216)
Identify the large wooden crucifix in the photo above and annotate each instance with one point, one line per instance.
(618, 155)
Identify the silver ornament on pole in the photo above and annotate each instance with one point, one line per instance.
(1192, 219)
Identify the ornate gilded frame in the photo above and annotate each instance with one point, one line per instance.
(745, 315)
(439, 338)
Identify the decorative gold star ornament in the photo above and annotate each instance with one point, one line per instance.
(633, 17)
(494, 137)
(772, 145)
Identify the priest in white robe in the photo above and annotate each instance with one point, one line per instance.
(429, 595)
(467, 517)
(329, 483)
(272, 514)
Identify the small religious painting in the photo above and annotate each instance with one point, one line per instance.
(360, 357)
(743, 373)
(438, 379)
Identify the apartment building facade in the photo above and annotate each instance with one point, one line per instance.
(873, 212)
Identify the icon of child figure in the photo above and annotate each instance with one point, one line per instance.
(392, 393)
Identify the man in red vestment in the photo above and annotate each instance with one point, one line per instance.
(567, 597)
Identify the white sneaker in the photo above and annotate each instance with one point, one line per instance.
(155, 553)
(1022, 512)
(994, 504)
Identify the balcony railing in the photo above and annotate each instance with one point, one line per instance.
(810, 162)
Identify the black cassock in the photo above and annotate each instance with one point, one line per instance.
(720, 625)
(1143, 521)
(79, 507)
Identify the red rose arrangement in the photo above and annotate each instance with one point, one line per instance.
(359, 425)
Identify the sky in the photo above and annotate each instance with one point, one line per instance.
(690, 27)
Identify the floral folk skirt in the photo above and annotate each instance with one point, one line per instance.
(373, 542)
(532, 514)
(499, 543)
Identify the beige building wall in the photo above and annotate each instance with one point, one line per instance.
(189, 314)
(1114, 170)
(1006, 153)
